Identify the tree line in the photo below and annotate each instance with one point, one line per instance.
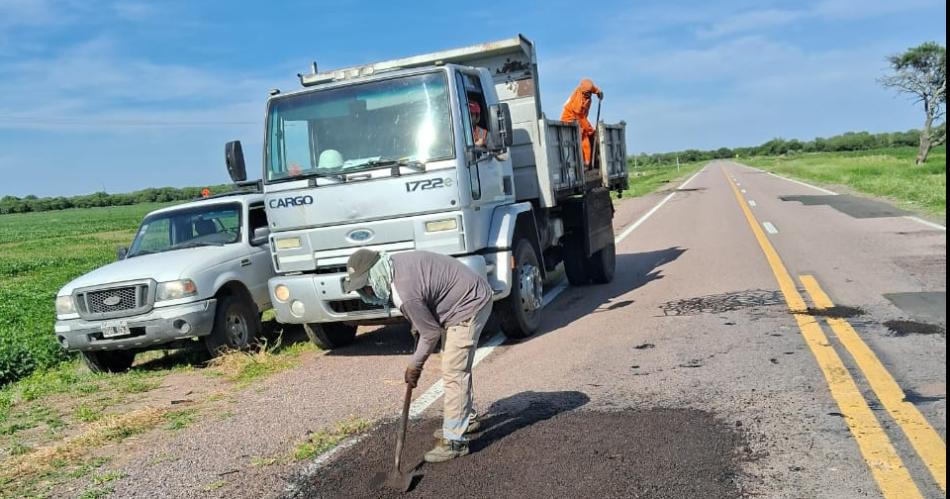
(31, 203)
(850, 141)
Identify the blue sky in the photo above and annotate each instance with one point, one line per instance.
(122, 95)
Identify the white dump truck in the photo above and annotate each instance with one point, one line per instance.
(388, 156)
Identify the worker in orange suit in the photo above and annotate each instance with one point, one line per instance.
(576, 109)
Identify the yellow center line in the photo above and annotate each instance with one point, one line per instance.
(925, 440)
(889, 472)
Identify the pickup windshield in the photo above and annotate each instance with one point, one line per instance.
(213, 225)
(352, 128)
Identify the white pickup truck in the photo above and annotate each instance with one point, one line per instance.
(196, 270)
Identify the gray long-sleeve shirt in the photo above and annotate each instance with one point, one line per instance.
(437, 292)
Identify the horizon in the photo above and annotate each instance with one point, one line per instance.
(137, 94)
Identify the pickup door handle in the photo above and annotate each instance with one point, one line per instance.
(246, 262)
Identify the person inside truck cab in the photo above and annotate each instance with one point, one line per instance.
(478, 133)
(576, 109)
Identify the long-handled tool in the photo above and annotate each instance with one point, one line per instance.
(396, 478)
(593, 160)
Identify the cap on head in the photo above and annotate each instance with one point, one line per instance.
(357, 269)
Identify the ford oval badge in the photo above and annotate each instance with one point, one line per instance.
(112, 301)
(360, 235)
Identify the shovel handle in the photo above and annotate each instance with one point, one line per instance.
(404, 421)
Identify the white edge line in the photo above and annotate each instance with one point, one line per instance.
(806, 184)
(629, 230)
(435, 391)
(770, 228)
(928, 223)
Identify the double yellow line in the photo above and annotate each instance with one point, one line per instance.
(882, 458)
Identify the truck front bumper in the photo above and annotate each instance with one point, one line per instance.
(319, 298)
(161, 325)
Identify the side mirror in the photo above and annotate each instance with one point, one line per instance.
(121, 252)
(234, 160)
(260, 236)
(500, 134)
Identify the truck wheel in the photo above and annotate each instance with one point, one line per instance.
(330, 335)
(236, 326)
(115, 361)
(602, 264)
(520, 312)
(575, 263)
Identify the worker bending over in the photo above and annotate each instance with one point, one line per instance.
(436, 293)
(576, 109)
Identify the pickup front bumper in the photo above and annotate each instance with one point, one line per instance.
(161, 325)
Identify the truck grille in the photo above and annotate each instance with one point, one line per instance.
(351, 306)
(119, 301)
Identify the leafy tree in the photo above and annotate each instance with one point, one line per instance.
(922, 72)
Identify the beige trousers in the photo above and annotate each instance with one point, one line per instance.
(458, 355)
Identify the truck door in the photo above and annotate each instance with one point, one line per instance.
(485, 171)
(257, 264)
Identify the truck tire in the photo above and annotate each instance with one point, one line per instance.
(575, 263)
(520, 312)
(330, 335)
(115, 361)
(602, 264)
(236, 326)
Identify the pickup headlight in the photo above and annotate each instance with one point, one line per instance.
(65, 305)
(173, 290)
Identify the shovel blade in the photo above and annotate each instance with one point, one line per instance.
(395, 480)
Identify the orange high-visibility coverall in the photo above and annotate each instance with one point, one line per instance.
(576, 109)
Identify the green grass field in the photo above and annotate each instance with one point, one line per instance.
(39, 253)
(885, 173)
(648, 179)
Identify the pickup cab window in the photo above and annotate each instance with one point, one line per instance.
(213, 225)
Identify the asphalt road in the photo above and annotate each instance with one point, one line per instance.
(761, 338)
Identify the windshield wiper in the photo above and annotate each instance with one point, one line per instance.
(395, 164)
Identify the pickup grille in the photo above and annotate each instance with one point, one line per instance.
(118, 301)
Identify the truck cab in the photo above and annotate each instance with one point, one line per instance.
(390, 156)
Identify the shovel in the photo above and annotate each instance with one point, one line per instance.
(396, 479)
(593, 157)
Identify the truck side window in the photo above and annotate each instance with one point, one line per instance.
(468, 89)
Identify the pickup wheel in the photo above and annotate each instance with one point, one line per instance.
(236, 325)
(520, 312)
(575, 263)
(602, 264)
(115, 361)
(330, 335)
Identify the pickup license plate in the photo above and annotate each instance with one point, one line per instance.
(113, 330)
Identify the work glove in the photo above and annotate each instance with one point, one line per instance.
(600, 95)
(412, 375)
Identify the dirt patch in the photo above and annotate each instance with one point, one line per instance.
(907, 328)
(657, 453)
(721, 303)
(836, 312)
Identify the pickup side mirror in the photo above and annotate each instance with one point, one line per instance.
(121, 252)
(260, 236)
(500, 134)
(234, 160)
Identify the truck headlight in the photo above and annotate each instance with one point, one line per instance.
(442, 225)
(288, 243)
(173, 290)
(65, 305)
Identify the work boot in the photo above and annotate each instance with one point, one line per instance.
(446, 450)
(473, 426)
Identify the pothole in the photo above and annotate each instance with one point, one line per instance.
(541, 452)
(902, 328)
(725, 302)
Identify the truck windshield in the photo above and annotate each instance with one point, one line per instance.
(346, 129)
(212, 225)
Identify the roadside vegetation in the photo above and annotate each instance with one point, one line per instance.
(654, 177)
(887, 173)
